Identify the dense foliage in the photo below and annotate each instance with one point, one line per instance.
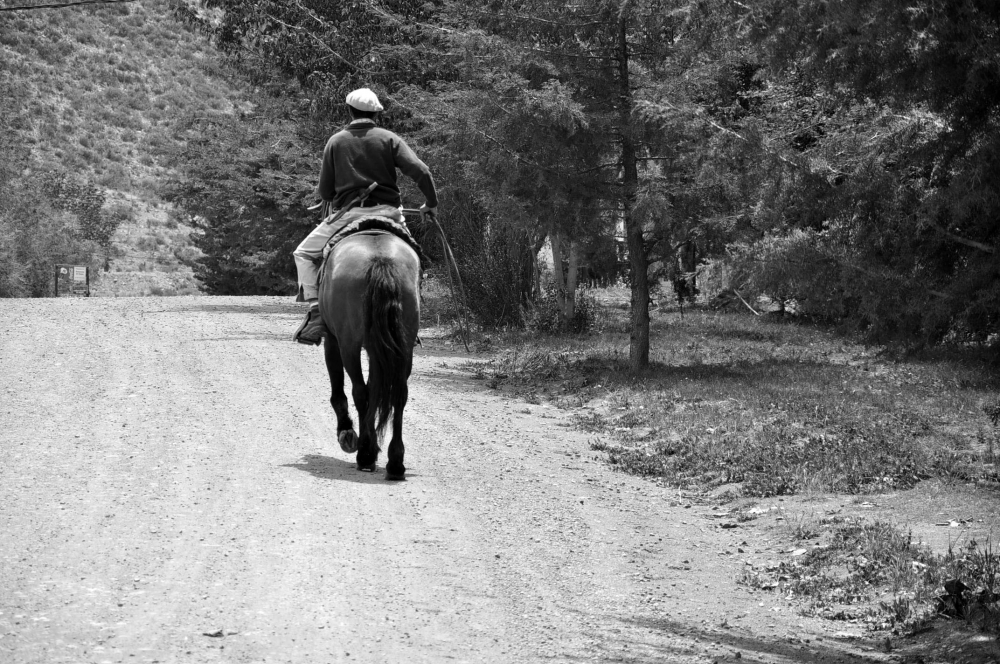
(840, 157)
(899, 100)
(249, 208)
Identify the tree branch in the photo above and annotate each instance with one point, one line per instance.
(566, 55)
(597, 168)
(511, 152)
(58, 5)
(379, 11)
(739, 136)
(737, 293)
(537, 19)
(322, 43)
(961, 240)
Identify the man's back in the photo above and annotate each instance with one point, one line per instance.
(363, 153)
(354, 158)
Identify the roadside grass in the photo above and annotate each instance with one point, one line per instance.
(756, 405)
(739, 406)
(870, 571)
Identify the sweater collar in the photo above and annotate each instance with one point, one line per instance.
(361, 121)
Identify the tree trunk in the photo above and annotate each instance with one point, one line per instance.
(558, 276)
(536, 275)
(638, 261)
(569, 307)
(685, 278)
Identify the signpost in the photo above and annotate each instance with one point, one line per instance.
(72, 281)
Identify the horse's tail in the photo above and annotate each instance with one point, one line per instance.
(385, 341)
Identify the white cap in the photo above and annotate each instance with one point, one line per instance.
(364, 99)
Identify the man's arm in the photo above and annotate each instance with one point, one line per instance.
(411, 166)
(325, 188)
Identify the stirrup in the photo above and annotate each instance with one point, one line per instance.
(313, 324)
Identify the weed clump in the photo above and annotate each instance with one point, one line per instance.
(777, 460)
(524, 362)
(849, 578)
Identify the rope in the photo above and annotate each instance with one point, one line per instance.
(446, 250)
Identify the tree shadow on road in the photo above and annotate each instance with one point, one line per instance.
(270, 336)
(674, 640)
(236, 308)
(759, 648)
(951, 642)
(333, 468)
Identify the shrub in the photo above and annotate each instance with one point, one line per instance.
(12, 277)
(36, 236)
(86, 202)
(545, 316)
(496, 275)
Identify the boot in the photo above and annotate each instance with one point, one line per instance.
(312, 329)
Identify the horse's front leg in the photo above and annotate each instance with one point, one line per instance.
(346, 435)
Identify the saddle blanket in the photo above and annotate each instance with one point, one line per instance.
(380, 224)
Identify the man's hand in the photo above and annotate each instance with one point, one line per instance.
(425, 211)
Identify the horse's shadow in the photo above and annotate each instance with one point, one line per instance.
(332, 468)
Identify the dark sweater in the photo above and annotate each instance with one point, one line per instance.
(363, 153)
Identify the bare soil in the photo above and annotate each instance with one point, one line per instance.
(171, 490)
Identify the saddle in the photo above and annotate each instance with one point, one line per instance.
(376, 225)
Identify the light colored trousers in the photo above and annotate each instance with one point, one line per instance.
(310, 252)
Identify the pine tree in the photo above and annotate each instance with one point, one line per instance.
(610, 60)
(905, 215)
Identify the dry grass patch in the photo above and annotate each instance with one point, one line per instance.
(767, 406)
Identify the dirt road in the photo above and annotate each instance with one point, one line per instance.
(171, 490)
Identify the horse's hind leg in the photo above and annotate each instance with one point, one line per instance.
(367, 441)
(346, 436)
(394, 469)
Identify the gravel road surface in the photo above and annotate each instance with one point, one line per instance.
(171, 490)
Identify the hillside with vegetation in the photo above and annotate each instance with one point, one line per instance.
(721, 148)
(92, 104)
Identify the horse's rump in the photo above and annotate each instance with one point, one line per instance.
(369, 297)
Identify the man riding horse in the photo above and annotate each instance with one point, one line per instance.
(354, 158)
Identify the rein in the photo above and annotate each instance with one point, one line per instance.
(450, 256)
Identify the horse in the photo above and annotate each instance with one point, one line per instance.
(369, 298)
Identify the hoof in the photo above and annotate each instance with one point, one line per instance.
(368, 468)
(395, 477)
(348, 440)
